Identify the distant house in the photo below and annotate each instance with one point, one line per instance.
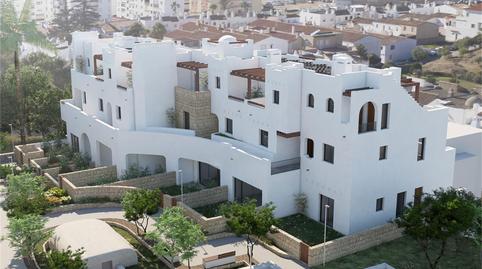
(467, 24)
(107, 29)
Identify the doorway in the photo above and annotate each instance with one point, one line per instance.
(325, 200)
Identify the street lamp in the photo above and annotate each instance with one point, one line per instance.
(182, 183)
(324, 235)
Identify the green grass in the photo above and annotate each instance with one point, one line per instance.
(151, 261)
(176, 189)
(463, 83)
(210, 211)
(405, 253)
(306, 229)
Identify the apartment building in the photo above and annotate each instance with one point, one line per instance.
(467, 24)
(265, 125)
(46, 10)
(154, 9)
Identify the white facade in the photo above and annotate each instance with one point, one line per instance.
(155, 9)
(264, 140)
(46, 10)
(467, 24)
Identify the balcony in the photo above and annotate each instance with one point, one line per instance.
(285, 166)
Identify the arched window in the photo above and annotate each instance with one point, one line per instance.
(311, 100)
(310, 148)
(330, 105)
(366, 118)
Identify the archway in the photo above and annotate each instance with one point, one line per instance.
(85, 145)
(366, 118)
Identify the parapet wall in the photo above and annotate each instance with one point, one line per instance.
(25, 153)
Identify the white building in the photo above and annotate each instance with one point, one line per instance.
(46, 10)
(467, 24)
(154, 9)
(346, 135)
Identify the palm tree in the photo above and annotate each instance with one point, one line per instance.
(14, 30)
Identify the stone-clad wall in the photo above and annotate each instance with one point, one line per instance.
(149, 182)
(79, 193)
(199, 198)
(85, 177)
(286, 242)
(198, 105)
(25, 153)
(212, 225)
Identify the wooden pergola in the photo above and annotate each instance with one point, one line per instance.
(257, 74)
(193, 66)
(408, 82)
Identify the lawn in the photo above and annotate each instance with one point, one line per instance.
(210, 211)
(406, 253)
(187, 188)
(151, 261)
(306, 229)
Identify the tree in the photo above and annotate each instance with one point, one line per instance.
(25, 195)
(174, 7)
(419, 54)
(66, 259)
(84, 14)
(138, 204)
(246, 219)
(440, 216)
(137, 29)
(224, 4)
(58, 68)
(13, 31)
(245, 5)
(213, 7)
(62, 24)
(158, 31)
(362, 51)
(374, 60)
(25, 232)
(175, 235)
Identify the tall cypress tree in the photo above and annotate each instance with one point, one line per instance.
(62, 24)
(85, 14)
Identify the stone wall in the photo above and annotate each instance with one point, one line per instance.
(286, 242)
(25, 153)
(199, 198)
(75, 207)
(85, 177)
(149, 182)
(198, 105)
(212, 225)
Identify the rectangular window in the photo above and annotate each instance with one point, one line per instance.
(218, 83)
(244, 191)
(229, 126)
(310, 148)
(101, 104)
(85, 97)
(379, 204)
(328, 153)
(327, 210)
(383, 153)
(276, 97)
(119, 113)
(88, 62)
(385, 115)
(400, 204)
(263, 138)
(392, 47)
(421, 149)
(417, 197)
(75, 142)
(110, 73)
(187, 120)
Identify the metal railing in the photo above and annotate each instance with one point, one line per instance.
(285, 166)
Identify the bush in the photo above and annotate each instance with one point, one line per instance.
(103, 181)
(25, 195)
(81, 161)
(135, 171)
(88, 200)
(5, 170)
(56, 191)
(56, 196)
(66, 259)
(64, 165)
(431, 79)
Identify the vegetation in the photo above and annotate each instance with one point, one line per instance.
(56, 66)
(158, 31)
(137, 29)
(84, 14)
(246, 219)
(212, 210)
(5, 170)
(62, 24)
(187, 188)
(301, 201)
(175, 235)
(25, 195)
(138, 205)
(135, 171)
(25, 232)
(103, 181)
(419, 54)
(439, 217)
(56, 196)
(306, 229)
(66, 259)
(362, 51)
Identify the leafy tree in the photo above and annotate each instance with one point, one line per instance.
(362, 51)
(419, 54)
(246, 219)
(63, 24)
(13, 31)
(138, 204)
(58, 68)
(25, 195)
(66, 259)
(175, 235)
(158, 31)
(374, 60)
(137, 29)
(213, 7)
(440, 216)
(25, 232)
(84, 14)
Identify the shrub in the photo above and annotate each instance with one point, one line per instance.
(64, 165)
(56, 191)
(103, 181)
(104, 199)
(81, 161)
(25, 195)
(134, 171)
(5, 170)
(66, 259)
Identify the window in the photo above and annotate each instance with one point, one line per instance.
(218, 83)
(229, 126)
(110, 73)
(276, 97)
(328, 153)
(400, 204)
(330, 105)
(263, 138)
(379, 204)
(244, 191)
(472, 25)
(385, 115)
(383, 153)
(311, 100)
(101, 104)
(119, 113)
(75, 142)
(392, 47)
(417, 197)
(421, 149)
(187, 120)
(88, 62)
(310, 148)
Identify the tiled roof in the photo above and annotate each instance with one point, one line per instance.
(285, 27)
(476, 7)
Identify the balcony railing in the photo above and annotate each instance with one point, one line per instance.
(367, 127)
(285, 166)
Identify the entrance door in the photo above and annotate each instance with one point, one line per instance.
(187, 122)
(400, 204)
(208, 175)
(325, 200)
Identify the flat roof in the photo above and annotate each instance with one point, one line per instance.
(455, 130)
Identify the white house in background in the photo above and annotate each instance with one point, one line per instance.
(153, 9)
(322, 17)
(467, 24)
(265, 125)
(45, 10)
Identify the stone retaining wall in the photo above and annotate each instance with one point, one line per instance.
(199, 198)
(74, 207)
(85, 177)
(25, 153)
(286, 242)
(149, 182)
(211, 226)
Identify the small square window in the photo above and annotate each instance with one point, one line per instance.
(379, 204)
(383, 153)
(328, 153)
(263, 138)
(101, 104)
(119, 113)
(229, 126)
(276, 97)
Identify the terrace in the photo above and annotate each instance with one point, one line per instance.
(200, 82)
(254, 90)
